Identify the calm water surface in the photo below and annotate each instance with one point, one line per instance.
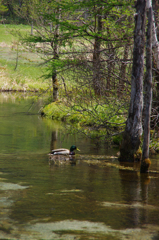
(94, 199)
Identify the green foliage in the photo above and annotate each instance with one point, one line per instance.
(154, 141)
(56, 112)
(3, 8)
(117, 139)
(98, 117)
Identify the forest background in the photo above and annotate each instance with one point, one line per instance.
(83, 50)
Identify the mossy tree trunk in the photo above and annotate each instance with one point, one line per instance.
(145, 163)
(133, 131)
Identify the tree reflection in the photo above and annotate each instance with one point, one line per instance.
(53, 143)
(135, 192)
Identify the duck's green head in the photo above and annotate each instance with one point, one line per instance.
(73, 147)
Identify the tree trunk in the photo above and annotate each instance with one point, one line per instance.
(155, 44)
(155, 51)
(147, 96)
(54, 71)
(110, 64)
(55, 86)
(97, 78)
(122, 75)
(155, 7)
(133, 131)
(54, 46)
(32, 27)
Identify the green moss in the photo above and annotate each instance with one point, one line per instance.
(145, 164)
(138, 155)
(154, 143)
(85, 116)
(56, 111)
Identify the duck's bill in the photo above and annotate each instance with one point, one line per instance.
(78, 149)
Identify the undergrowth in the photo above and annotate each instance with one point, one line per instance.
(94, 119)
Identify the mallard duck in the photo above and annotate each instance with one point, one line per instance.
(65, 151)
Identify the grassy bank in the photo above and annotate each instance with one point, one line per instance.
(102, 122)
(19, 68)
(94, 116)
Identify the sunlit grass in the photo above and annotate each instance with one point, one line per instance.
(19, 68)
(9, 32)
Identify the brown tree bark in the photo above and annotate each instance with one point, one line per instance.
(145, 163)
(133, 131)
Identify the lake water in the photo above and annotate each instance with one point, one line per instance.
(96, 198)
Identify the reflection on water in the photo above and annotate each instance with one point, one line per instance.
(98, 198)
